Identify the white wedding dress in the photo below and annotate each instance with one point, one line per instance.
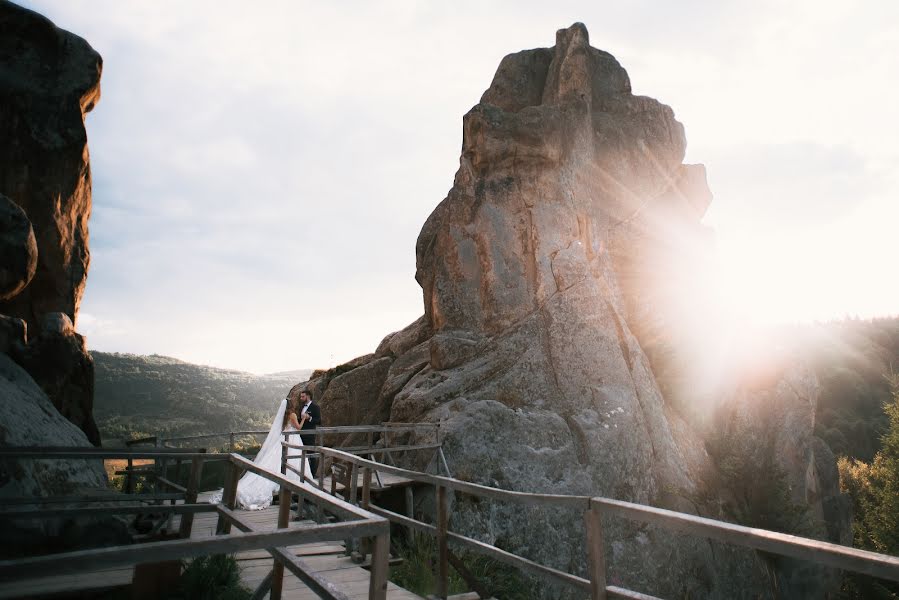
(255, 492)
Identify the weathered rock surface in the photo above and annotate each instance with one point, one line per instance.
(18, 249)
(29, 419)
(58, 360)
(50, 80)
(543, 290)
(769, 418)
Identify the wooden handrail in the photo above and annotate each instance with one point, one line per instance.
(20, 500)
(42, 513)
(119, 556)
(826, 553)
(78, 452)
(391, 427)
(475, 489)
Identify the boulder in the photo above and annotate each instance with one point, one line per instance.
(13, 335)
(347, 400)
(18, 249)
(29, 419)
(51, 79)
(58, 360)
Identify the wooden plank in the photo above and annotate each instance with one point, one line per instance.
(442, 550)
(170, 484)
(79, 582)
(596, 557)
(89, 452)
(283, 520)
(319, 584)
(577, 502)
(345, 509)
(229, 496)
(99, 558)
(43, 513)
(617, 592)
(264, 586)
(116, 497)
(380, 556)
(361, 450)
(824, 553)
(190, 496)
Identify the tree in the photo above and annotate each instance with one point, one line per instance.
(874, 489)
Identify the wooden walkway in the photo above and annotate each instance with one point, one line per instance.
(325, 558)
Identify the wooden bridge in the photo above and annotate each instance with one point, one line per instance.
(283, 557)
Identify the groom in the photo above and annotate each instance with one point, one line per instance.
(310, 418)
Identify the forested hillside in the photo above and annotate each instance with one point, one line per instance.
(155, 394)
(852, 359)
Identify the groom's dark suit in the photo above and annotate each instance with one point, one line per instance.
(314, 420)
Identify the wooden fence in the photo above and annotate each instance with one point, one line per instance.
(593, 509)
(359, 524)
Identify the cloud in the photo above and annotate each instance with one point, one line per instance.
(787, 185)
(263, 173)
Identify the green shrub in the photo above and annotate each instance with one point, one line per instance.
(215, 577)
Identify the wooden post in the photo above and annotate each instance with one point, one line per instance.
(303, 465)
(442, 554)
(231, 442)
(596, 565)
(190, 496)
(229, 495)
(366, 487)
(351, 493)
(284, 456)
(129, 478)
(283, 520)
(366, 502)
(377, 587)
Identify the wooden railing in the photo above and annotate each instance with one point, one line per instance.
(360, 524)
(385, 429)
(593, 509)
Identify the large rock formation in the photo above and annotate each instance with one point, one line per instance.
(18, 249)
(29, 419)
(50, 80)
(554, 264)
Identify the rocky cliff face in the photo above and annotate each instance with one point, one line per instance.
(49, 80)
(543, 291)
(526, 352)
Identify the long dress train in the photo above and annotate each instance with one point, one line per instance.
(255, 492)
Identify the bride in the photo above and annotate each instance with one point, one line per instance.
(255, 492)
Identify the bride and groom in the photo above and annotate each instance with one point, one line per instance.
(255, 492)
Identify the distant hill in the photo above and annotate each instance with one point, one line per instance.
(156, 394)
(853, 359)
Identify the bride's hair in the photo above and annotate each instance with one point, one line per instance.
(291, 408)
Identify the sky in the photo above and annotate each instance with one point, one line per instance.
(261, 170)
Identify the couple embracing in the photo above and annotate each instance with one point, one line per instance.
(255, 492)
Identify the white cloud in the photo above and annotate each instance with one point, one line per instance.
(262, 172)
